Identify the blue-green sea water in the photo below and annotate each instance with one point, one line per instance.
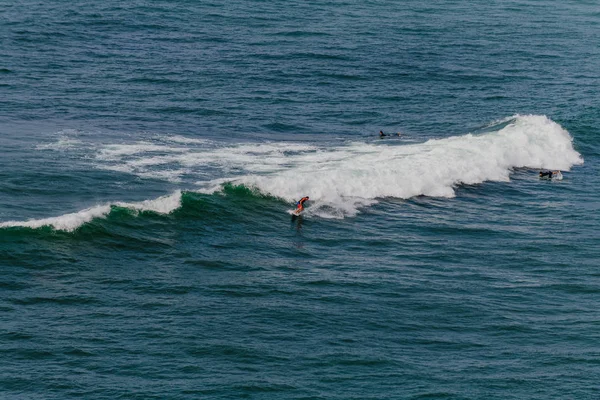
(151, 152)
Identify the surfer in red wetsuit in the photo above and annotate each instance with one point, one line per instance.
(300, 204)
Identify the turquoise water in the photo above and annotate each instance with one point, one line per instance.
(151, 153)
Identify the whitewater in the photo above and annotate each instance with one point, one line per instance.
(340, 180)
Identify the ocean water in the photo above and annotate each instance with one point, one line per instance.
(151, 152)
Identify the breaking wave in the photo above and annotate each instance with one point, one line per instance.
(72, 221)
(355, 175)
(340, 179)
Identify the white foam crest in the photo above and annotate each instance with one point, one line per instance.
(352, 176)
(216, 185)
(162, 205)
(72, 221)
(66, 222)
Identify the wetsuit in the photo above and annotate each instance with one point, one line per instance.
(300, 203)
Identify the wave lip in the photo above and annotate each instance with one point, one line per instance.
(67, 222)
(162, 205)
(70, 222)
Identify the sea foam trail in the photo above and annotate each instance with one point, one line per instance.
(72, 221)
(342, 180)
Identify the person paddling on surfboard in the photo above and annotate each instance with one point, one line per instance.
(300, 204)
(548, 174)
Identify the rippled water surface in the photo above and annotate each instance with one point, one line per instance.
(151, 153)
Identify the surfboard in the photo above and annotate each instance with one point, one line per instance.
(295, 213)
(558, 176)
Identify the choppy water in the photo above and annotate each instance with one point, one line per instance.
(151, 153)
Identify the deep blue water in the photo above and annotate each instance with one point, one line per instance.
(151, 152)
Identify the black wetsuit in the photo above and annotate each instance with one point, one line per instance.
(544, 174)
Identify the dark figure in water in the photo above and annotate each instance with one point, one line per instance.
(548, 174)
(381, 134)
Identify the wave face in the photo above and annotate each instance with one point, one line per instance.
(341, 179)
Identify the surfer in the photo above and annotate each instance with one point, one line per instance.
(300, 204)
(548, 174)
(381, 134)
